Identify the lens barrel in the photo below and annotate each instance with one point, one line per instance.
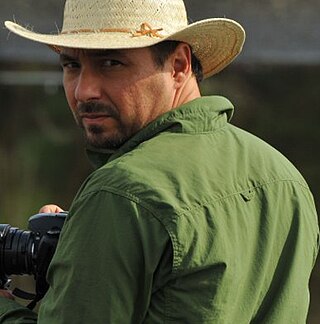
(17, 248)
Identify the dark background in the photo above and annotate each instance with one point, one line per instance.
(274, 86)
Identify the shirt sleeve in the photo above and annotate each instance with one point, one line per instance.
(105, 264)
(12, 312)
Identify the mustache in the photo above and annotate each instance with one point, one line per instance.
(98, 108)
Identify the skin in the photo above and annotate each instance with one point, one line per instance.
(115, 93)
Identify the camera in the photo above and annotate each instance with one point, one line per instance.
(30, 251)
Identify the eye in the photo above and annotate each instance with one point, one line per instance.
(70, 65)
(68, 62)
(111, 63)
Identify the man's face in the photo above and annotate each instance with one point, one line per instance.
(115, 93)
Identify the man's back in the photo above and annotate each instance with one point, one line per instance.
(220, 226)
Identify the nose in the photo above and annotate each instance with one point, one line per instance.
(88, 86)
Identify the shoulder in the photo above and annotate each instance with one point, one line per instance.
(139, 175)
(164, 167)
(255, 156)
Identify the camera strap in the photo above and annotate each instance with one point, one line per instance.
(46, 249)
(23, 294)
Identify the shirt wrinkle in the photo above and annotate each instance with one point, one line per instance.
(235, 215)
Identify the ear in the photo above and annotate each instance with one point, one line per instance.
(181, 64)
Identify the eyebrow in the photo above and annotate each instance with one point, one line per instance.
(66, 58)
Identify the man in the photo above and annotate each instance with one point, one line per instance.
(187, 219)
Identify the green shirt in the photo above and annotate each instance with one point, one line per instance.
(191, 221)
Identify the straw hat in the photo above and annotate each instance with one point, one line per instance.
(110, 24)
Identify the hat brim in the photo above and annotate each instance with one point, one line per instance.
(216, 42)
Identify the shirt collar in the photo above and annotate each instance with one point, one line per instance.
(197, 116)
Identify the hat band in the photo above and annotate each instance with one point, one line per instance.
(102, 30)
(145, 30)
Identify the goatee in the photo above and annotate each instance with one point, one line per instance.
(95, 135)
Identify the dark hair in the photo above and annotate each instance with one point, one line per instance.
(163, 50)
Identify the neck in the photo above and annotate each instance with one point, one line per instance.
(187, 92)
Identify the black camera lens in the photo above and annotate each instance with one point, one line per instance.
(30, 252)
(16, 251)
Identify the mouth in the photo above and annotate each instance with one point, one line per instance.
(93, 118)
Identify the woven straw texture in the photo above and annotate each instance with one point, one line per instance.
(98, 14)
(109, 24)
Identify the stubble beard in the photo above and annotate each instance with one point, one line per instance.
(97, 136)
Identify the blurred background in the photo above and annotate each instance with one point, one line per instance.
(274, 86)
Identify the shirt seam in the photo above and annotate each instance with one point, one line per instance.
(249, 188)
(178, 213)
(139, 200)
